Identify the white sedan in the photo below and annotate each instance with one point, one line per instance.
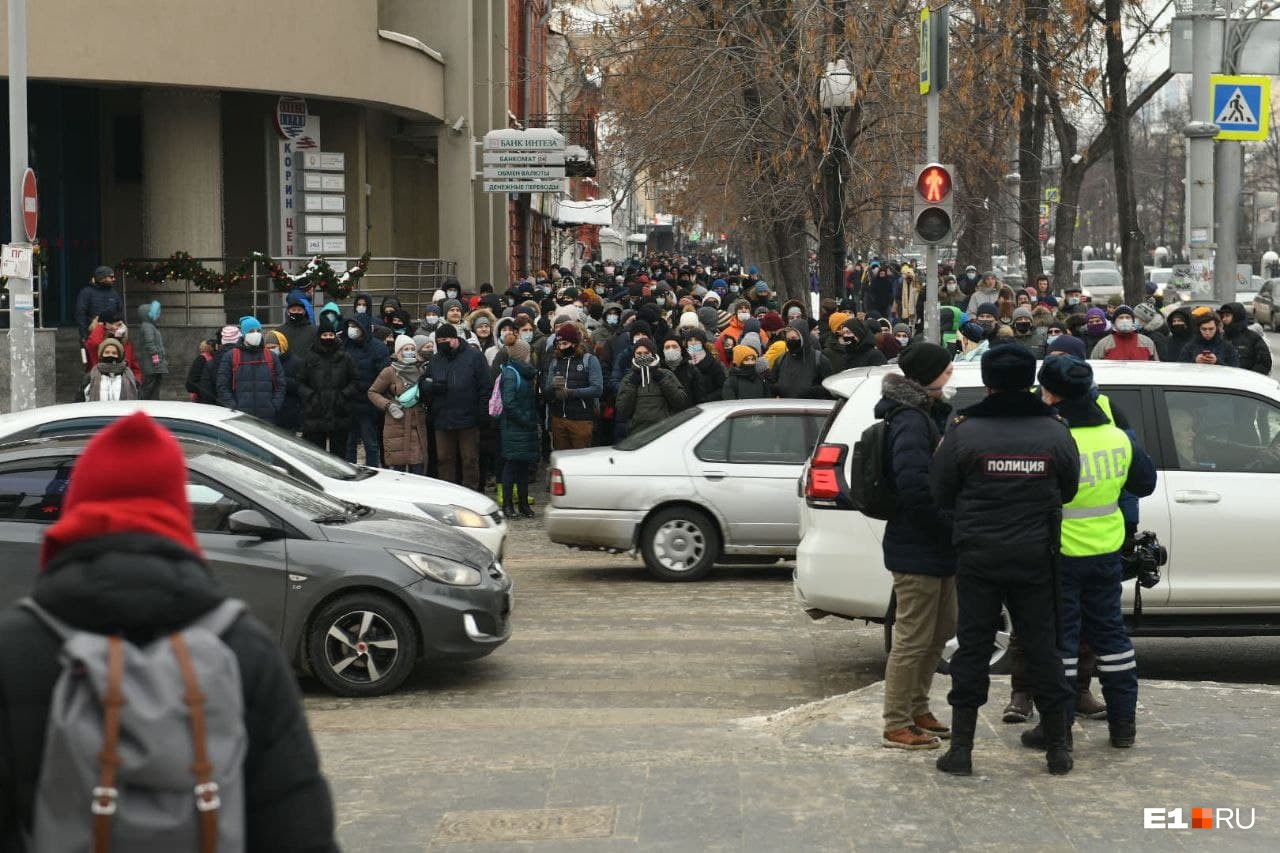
(715, 483)
(471, 512)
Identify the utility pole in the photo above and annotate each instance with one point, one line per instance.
(22, 335)
(935, 26)
(1200, 133)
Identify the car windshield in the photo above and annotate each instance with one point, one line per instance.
(637, 440)
(324, 464)
(249, 478)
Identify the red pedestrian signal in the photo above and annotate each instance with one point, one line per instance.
(934, 184)
(933, 203)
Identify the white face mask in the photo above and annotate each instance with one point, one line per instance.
(744, 316)
(354, 333)
(451, 294)
(253, 339)
(431, 320)
(948, 392)
(361, 309)
(1125, 325)
(672, 356)
(904, 340)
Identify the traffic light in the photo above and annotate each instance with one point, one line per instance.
(933, 203)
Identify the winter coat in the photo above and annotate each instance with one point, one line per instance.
(258, 387)
(301, 336)
(584, 385)
(712, 374)
(209, 375)
(155, 588)
(519, 421)
(646, 400)
(404, 440)
(151, 354)
(94, 300)
(1251, 349)
(1227, 354)
(370, 358)
(458, 386)
(94, 341)
(1033, 341)
(195, 373)
(114, 385)
(862, 354)
(974, 354)
(290, 415)
(1178, 340)
(328, 383)
(690, 381)
(366, 319)
(917, 537)
(1131, 346)
(801, 375)
(745, 383)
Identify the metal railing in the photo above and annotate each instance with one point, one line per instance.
(38, 285)
(411, 280)
(577, 130)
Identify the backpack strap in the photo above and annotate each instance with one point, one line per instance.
(235, 367)
(206, 790)
(220, 618)
(105, 795)
(53, 623)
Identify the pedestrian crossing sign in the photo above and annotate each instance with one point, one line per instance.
(1241, 106)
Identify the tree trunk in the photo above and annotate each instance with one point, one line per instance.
(1132, 242)
(1064, 227)
(1030, 146)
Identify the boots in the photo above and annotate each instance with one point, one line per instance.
(958, 759)
(1123, 733)
(1035, 739)
(1019, 709)
(1057, 740)
(1089, 706)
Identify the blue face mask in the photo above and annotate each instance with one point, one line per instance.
(695, 349)
(527, 336)
(611, 319)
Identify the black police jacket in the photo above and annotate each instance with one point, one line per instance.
(1005, 468)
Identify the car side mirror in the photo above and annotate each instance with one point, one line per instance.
(250, 522)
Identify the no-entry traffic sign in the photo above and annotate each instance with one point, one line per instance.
(30, 206)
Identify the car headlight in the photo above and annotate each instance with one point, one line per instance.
(454, 515)
(436, 569)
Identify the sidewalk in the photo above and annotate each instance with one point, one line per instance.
(812, 777)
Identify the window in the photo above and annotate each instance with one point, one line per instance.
(1228, 433)
(637, 440)
(762, 439)
(210, 505)
(35, 491)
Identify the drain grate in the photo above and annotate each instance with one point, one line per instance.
(526, 825)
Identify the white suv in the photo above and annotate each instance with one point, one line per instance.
(1214, 433)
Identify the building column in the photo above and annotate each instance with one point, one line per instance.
(182, 172)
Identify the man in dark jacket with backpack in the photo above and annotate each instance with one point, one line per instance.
(459, 385)
(917, 546)
(250, 377)
(123, 560)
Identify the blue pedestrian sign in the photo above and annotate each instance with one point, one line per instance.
(1241, 106)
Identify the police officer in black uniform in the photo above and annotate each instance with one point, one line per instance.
(1005, 468)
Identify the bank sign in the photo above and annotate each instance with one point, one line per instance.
(291, 117)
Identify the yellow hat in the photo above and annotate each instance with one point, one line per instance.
(741, 353)
(280, 339)
(836, 320)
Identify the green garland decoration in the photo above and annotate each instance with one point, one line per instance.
(180, 266)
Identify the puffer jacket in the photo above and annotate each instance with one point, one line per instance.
(404, 440)
(800, 375)
(157, 587)
(370, 358)
(290, 415)
(862, 353)
(151, 354)
(94, 300)
(459, 386)
(301, 336)
(646, 400)
(917, 537)
(745, 383)
(1251, 350)
(712, 374)
(518, 423)
(256, 387)
(327, 386)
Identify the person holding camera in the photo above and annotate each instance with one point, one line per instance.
(1093, 534)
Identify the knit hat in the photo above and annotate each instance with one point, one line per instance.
(836, 320)
(743, 352)
(403, 341)
(519, 350)
(229, 335)
(431, 308)
(902, 329)
(973, 331)
(130, 478)
(328, 323)
(771, 322)
(1124, 309)
(1066, 345)
(924, 362)
(689, 320)
(1145, 313)
(110, 342)
(752, 340)
(1022, 312)
(249, 324)
(445, 330)
(100, 273)
(988, 308)
(1008, 368)
(647, 343)
(762, 287)
(1095, 320)
(281, 341)
(1067, 376)
(450, 303)
(569, 332)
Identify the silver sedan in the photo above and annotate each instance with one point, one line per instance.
(716, 483)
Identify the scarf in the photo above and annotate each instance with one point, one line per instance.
(106, 368)
(644, 365)
(409, 374)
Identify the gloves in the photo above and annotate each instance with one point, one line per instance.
(395, 410)
(562, 393)
(558, 382)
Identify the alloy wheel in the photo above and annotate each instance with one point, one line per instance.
(361, 647)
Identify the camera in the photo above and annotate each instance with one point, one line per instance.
(1143, 559)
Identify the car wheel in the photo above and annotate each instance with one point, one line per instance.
(999, 664)
(362, 644)
(680, 544)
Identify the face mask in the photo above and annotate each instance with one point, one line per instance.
(645, 360)
(1123, 326)
(695, 349)
(847, 340)
(297, 318)
(744, 316)
(110, 359)
(118, 333)
(431, 320)
(1022, 328)
(672, 356)
(904, 340)
(1177, 328)
(328, 343)
(987, 324)
(451, 294)
(951, 285)
(948, 392)
(399, 327)
(733, 288)
(1051, 338)
(253, 339)
(408, 357)
(354, 333)
(527, 336)
(795, 346)
(1071, 300)
(611, 320)
(362, 309)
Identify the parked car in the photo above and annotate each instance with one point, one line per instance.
(715, 483)
(355, 596)
(469, 511)
(1214, 433)
(1264, 305)
(1100, 283)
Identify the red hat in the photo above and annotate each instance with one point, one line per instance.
(569, 332)
(130, 478)
(771, 322)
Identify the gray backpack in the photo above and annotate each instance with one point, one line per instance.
(144, 747)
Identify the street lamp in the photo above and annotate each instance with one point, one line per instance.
(837, 90)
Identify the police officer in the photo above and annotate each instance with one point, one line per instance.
(1005, 468)
(1093, 532)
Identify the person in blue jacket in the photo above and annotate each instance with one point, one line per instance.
(458, 385)
(371, 357)
(518, 425)
(250, 377)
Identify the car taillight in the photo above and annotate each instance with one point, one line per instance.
(824, 482)
(557, 483)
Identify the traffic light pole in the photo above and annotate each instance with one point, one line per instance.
(22, 337)
(932, 331)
